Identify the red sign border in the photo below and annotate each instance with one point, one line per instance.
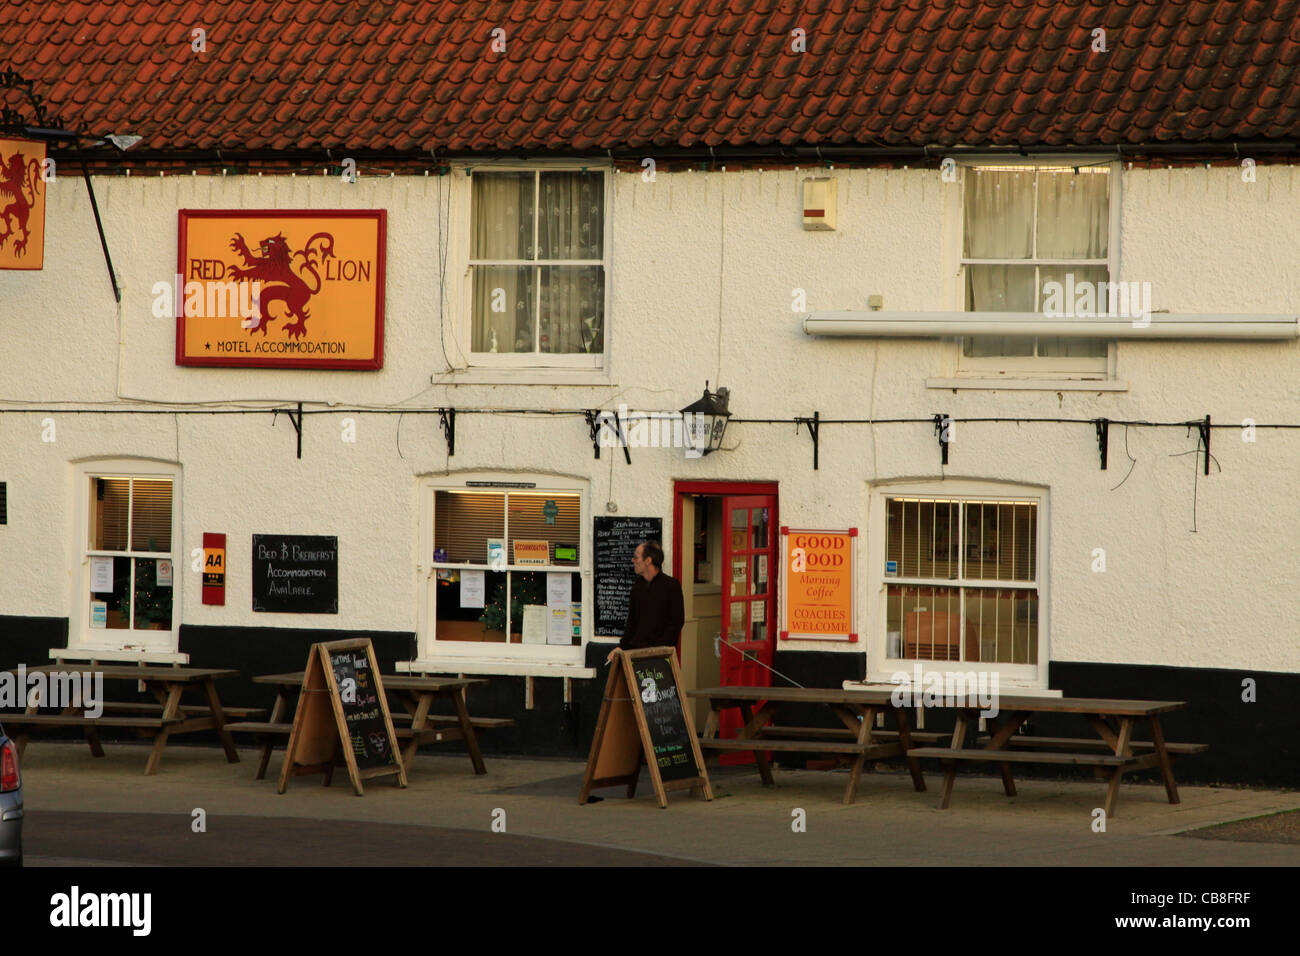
(45, 218)
(381, 218)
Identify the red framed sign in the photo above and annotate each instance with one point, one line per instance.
(301, 288)
(22, 204)
(818, 568)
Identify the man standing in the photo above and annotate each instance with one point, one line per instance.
(656, 611)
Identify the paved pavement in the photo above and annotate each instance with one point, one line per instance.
(84, 811)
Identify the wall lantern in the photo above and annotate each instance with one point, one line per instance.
(704, 421)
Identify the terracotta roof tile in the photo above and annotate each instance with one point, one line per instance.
(637, 73)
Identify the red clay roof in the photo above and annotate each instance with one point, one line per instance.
(579, 76)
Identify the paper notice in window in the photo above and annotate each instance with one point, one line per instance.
(101, 575)
(535, 621)
(560, 626)
(472, 588)
(164, 573)
(559, 590)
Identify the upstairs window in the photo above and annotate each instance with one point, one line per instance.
(1023, 228)
(538, 261)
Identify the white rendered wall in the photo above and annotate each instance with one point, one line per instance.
(704, 269)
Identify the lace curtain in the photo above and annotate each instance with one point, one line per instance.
(1072, 213)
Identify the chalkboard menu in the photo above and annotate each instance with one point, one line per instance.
(296, 573)
(664, 716)
(643, 721)
(615, 542)
(359, 698)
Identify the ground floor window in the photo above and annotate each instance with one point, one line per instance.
(128, 593)
(506, 566)
(961, 579)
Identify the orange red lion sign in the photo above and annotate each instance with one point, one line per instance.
(279, 289)
(22, 204)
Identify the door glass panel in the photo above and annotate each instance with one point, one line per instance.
(758, 576)
(758, 620)
(739, 576)
(758, 528)
(736, 630)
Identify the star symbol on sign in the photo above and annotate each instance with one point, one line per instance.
(207, 345)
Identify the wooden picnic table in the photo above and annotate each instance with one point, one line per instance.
(1113, 752)
(416, 693)
(856, 742)
(160, 721)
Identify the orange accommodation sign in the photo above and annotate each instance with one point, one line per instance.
(279, 289)
(22, 204)
(819, 584)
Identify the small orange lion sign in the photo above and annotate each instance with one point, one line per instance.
(278, 289)
(22, 204)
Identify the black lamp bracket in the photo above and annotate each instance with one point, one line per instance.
(295, 421)
(1103, 439)
(942, 427)
(598, 420)
(814, 429)
(447, 418)
(1204, 429)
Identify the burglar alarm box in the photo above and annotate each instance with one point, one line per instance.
(819, 203)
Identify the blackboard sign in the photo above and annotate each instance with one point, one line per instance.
(296, 573)
(359, 698)
(615, 542)
(643, 720)
(342, 717)
(665, 717)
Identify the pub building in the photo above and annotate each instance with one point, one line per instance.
(415, 340)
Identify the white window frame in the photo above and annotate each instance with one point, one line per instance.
(880, 668)
(435, 656)
(85, 641)
(535, 360)
(1024, 366)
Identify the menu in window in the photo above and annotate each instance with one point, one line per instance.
(472, 588)
(101, 575)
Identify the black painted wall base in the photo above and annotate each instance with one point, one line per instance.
(1250, 743)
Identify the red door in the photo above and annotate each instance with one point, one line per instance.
(748, 600)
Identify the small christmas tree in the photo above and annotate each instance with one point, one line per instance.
(525, 589)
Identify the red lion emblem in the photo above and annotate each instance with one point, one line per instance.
(277, 265)
(19, 186)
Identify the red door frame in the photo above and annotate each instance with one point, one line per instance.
(683, 488)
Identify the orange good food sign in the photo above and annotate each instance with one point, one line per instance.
(22, 204)
(819, 584)
(280, 288)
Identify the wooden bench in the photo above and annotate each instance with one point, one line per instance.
(80, 720)
(1090, 744)
(1023, 756)
(121, 707)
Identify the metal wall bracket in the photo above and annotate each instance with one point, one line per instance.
(1204, 429)
(1103, 439)
(447, 418)
(597, 420)
(814, 429)
(942, 427)
(296, 422)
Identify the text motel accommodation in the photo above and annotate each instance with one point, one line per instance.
(565, 297)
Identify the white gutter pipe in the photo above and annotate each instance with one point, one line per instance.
(1260, 327)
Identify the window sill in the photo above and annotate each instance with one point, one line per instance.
(523, 376)
(84, 653)
(1031, 384)
(470, 665)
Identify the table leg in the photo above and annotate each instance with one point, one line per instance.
(219, 719)
(170, 709)
(1166, 765)
(754, 724)
(950, 774)
(864, 737)
(277, 714)
(92, 735)
(905, 738)
(1121, 750)
(418, 707)
(467, 728)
